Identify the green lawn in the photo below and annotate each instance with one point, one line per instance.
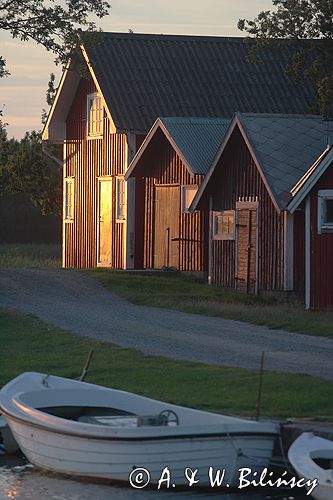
(19, 255)
(28, 344)
(189, 294)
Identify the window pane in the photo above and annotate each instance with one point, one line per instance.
(120, 189)
(328, 212)
(231, 224)
(95, 115)
(69, 208)
(224, 225)
(188, 196)
(225, 221)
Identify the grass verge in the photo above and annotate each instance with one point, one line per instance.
(189, 294)
(183, 293)
(29, 344)
(26, 255)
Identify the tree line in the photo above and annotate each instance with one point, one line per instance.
(25, 169)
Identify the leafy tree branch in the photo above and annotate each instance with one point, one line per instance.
(307, 25)
(50, 23)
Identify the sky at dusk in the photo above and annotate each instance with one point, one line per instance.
(22, 94)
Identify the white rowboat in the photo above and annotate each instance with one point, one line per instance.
(87, 430)
(312, 458)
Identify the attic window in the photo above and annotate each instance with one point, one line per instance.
(189, 193)
(325, 211)
(95, 114)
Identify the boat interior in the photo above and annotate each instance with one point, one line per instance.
(111, 416)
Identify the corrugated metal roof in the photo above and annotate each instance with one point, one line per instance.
(197, 138)
(286, 146)
(146, 76)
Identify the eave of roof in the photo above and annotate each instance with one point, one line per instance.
(194, 139)
(158, 124)
(285, 146)
(236, 122)
(311, 177)
(282, 147)
(67, 87)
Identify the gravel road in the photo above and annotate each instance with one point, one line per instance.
(73, 301)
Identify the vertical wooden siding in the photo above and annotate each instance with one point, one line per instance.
(321, 278)
(86, 160)
(299, 249)
(246, 250)
(237, 176)
(164, 167)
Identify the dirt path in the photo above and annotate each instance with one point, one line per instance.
(76, 302)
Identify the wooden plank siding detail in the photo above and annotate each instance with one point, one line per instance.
(236, 177)
(165, 169)
(166, 227)
(87, 160)
(321, 251)
(246, 250)
(299, 249)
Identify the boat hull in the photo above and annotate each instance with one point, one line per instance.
(81, 429)
(115, 459)
(302, 455)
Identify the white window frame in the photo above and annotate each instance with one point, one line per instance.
(69, 199)
(323, 196)
(120, 202)
(186, 189)
(99, 132)
(223, 236)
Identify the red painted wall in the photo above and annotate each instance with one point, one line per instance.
(86, 160)
(321, 251)
(237, 176)
(160, 165)
(299, 249)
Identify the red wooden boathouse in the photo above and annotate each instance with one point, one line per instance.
(102, 120)
(313, 199)
(264, 234)
(168, 169)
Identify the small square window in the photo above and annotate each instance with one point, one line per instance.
(120, 199)
(95, 115)
(325, 211)
(189, 193)
(69, 199)
(224, 225)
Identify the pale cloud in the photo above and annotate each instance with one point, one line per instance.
(23, 121)
(19, 125)
(30, 64)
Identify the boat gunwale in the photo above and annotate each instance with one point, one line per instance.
(14, 405)
(207, 434)
(298, 445)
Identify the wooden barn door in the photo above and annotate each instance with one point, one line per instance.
(104, 222)
(166, 227)
(246, 247)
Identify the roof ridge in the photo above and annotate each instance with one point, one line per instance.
(170, 36)
(282, 115)
(195, 118)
